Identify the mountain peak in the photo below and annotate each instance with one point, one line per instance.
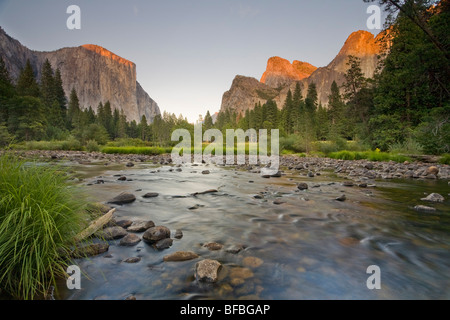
(280, 71)
(360, 43)
(108, 54)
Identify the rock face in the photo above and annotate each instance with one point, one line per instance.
(281, 75)
(97, 75)
(281, 72)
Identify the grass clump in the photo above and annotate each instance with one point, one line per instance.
(368, 155)
(40, 214)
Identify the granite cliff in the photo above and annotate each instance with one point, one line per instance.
(281, 75)
(96, 74)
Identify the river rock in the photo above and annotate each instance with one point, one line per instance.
(123, 198)
(130, 164)
(252, 262)
(155, 234)
(434, 197)
(163, 244)
(178, 234)
(140, 226)
(124, 223)
(425, 209)
(181, 256)
(150, 195)
(235, 249)
(90, 250)
(113, 233)
(122, 178)
(205, 172)
(302, 186)
(241, 273)
(341, 198)
(213, 246)
(132, 260)
(207, 270)
(130, 240)
(432, 170)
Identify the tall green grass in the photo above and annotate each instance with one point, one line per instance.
(39, 216)
(445, 159)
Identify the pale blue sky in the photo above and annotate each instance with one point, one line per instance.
(187, 52)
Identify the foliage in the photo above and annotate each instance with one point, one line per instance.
(39, 217)
(445, 159)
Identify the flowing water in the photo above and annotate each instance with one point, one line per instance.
(311, 246)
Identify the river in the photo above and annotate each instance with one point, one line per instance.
(306, 245)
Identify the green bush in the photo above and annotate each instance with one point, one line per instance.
(92, 146)
(409, 146)
(445, 159)
(39, 217)
(368, 155)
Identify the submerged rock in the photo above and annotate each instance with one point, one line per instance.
(425, 209)
(213, 246)
(207, 270)
(181, 256)
(90, 250)
(341, 198)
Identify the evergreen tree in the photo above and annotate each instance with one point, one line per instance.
(26, 83)
(27, 118)
(60, 97)
(6, 92)
(74, 111)
(208, 121)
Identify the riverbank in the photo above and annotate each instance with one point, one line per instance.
(308, 166)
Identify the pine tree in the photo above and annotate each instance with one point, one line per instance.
(208, 121)
(60, 97)
(74, 111)
(26, 83)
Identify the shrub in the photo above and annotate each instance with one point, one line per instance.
(445, 159)
(92, 146)
(39, 217)
(409, 146)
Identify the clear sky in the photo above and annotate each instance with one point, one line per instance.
(188, 52)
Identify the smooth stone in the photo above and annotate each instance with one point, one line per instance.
(278, 202)
(140, 226)
(123, 178)
(124, 223)
(302, 186)
(181, 256)
(178, 234)
(432, 170)
(90, 250)
(207, 270)
(341, 198)
(155, 234)
(213, 246)
(163, 244)
(123, 198)
(252, 262)
(150, 195)
(130, 164)
(241, 273)
(434, 197)
(132, 260)
(421, 208)
(348, 241)
(205, 172)
(235, 249)
(130, 240)
(113, 233)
